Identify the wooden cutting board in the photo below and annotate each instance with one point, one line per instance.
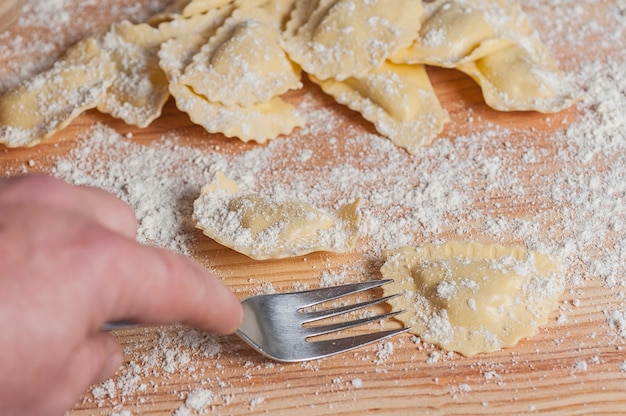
(571, 367)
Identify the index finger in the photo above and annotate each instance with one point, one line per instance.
(93, 203)
(156, 286)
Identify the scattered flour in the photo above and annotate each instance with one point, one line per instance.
(617, 321)
(356, 383)
(199, 399)
(122, 413)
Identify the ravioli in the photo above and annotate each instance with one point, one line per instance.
(178, 25)
(266, 227)
(493, 42)
(255, 122)
(278, 11)
(398, 99)
(41, 106)
(198, 7)
(513, 79)
(473, 298)
(458, 31)
(242, 64)
(139, 88)
(258, 122)
(348, 38)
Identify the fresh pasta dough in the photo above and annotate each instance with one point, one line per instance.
(472, 298)
(39, 107)
(458, 31)
(139, 88)
(493, 42)
(347, 38)
(263, 115)
(512, 79)
(275, 11)
(398, 99)
(258, 122)
(242, 64)
(265, 227)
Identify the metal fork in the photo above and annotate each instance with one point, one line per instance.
(274, 324)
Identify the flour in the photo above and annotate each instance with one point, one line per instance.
(617, 320)
(199, 399)
(156, 181)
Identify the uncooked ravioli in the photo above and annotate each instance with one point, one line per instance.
(348, 38)
(258, 122)
(39, 107)
(398, 99)
(472, 298)
(494, 43)
(242, 64)
(265, 226)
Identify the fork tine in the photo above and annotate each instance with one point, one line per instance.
(321, 349)
(327, 313)
(315, 296)
(327, 329)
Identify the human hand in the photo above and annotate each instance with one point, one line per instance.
(69, 263)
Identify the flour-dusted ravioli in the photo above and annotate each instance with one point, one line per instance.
(348, 38)
(175, 54)
(243, 63)
(513, 79)
(473, 298)
(177, 51)
(278, 10)
(139, 88)
(258, 122)
(171, 12)
(197, 7)
(201, 23)
(493, 42)
(39, 107)
(264, 226)
(398, 99)
(179, 10)
(457, 31)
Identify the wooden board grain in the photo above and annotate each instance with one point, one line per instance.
(573, 366)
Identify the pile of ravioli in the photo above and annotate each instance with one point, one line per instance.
(227, 63)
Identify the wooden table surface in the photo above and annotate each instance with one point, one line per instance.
(575, 365)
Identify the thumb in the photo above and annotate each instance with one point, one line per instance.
(96, 359)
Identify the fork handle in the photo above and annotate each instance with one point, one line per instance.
(110, 326)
